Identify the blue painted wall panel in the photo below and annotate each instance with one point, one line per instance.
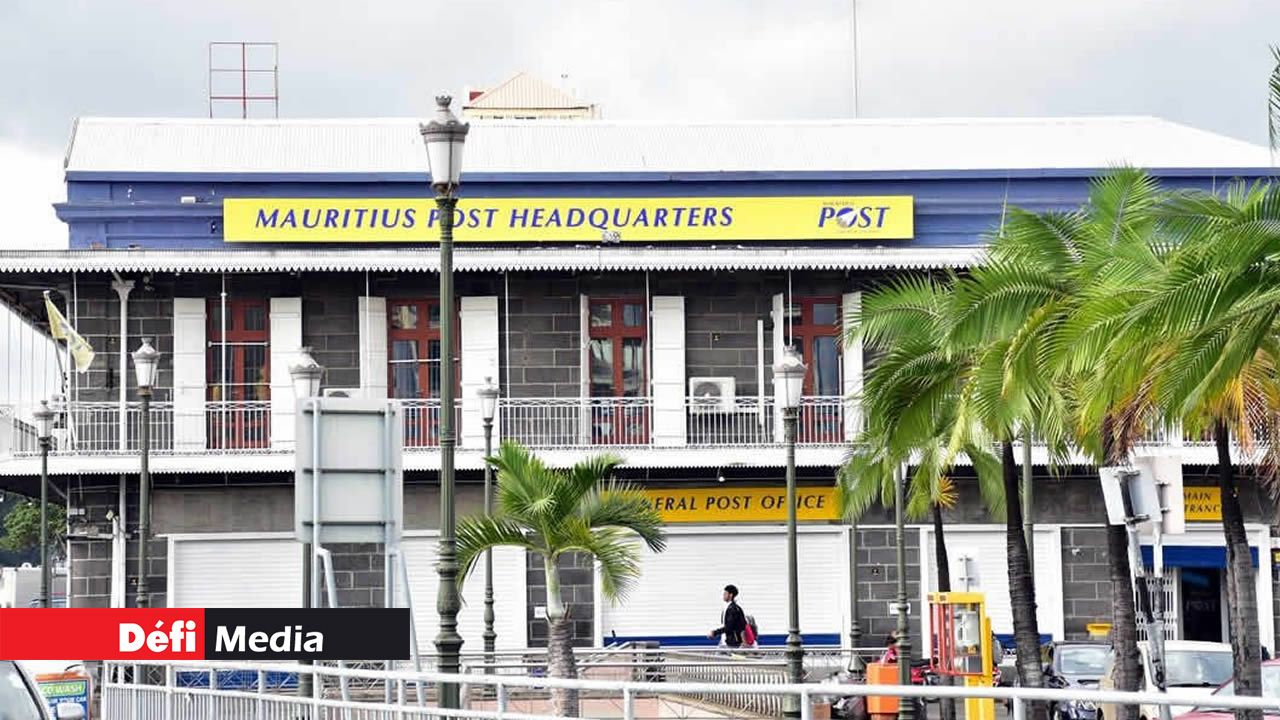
(952, 211)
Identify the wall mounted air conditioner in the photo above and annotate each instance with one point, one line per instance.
(354, 392)
(711, 395)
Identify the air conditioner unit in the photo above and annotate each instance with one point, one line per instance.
(354, 392)
(711, 395)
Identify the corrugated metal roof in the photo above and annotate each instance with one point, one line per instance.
(581, 146)
(472, 259)
(524, 91)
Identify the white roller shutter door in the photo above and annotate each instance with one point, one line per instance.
(227, 571)
(286, 342)
(987, 567)
(677, 599)
(509, 606)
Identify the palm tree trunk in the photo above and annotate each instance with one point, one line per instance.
(943, 563)
(1022, 592)
(1127, 672)
(1246, 654)
(560, 660)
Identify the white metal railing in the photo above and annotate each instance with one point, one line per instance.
(187, 691)
(237, 425)
(570, 422)
(422, 422)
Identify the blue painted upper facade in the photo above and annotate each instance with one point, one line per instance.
(952, 208)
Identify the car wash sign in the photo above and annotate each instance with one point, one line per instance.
(580, 220)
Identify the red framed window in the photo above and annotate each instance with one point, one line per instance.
(413, 364)
(616, 336)
(239, 374)
(813, 330)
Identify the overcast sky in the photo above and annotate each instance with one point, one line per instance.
(1196, 62)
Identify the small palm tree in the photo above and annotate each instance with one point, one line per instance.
(555, 512)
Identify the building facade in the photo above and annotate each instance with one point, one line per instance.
(627, 287)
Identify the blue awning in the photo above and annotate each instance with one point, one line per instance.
(1194, 556)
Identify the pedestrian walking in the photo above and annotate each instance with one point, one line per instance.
(733, 621)
(890, 655)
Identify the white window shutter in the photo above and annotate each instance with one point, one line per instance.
(373, 346)
(851, 365)
(479, 347)
(285, 343)
(189, 374)
(779, 341)
(584, 372)
(669, 426)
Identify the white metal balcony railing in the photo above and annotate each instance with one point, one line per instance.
(245, 426)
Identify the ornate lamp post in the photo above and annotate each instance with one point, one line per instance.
(44, 424)
(146, 360)
(906, 708)
(445, 136)
(305, 375)
(788, 385)
(488, 407)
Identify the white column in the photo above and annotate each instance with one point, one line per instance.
(851, 366)
(779, 315)
(478, 344)
(122, 288)
(373, 346)
(584, 373)
(286, 341)
(189, 374)
(669, 427)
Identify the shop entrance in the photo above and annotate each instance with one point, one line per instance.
(1202, 605)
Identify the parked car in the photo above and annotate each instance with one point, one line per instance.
(1270, 689)
(1191, 667)
(21, 700)
(1075, 665)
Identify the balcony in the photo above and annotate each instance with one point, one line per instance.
(237, 428)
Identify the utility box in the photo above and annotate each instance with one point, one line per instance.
(353, 445)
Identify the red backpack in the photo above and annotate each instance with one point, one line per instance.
(752, 633)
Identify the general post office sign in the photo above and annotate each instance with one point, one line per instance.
(730, 505)
(501, 220)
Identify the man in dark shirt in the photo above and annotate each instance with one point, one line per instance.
(733, 622)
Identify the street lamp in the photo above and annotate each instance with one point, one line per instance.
(906, 706)
(305, 376)
(145, 361)
(445, 136)
(488, 406)
(788, 385)
(44, 424)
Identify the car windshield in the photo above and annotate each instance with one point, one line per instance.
(1082, 660)
(1196, 668)
(16, 701)
(1270, 688)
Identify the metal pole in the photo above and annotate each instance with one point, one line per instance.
(795, 647)
(448, 602)
(490, 636)
(855, 626)
(1155, 630)
(144, 496)
(304, 678)
(45, 576)
(1028, 506)
(906, 706)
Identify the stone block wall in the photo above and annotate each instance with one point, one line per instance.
(89, 547)
(878, 585)
(577, 591)
(1086, 580)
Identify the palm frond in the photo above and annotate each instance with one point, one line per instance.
(477, 534)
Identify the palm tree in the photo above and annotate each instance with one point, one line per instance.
(1218, 305)
(1273, 101)
(1060, 286)
(909, 398)
(556, 512)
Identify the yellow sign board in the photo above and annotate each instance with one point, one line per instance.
(627, 220)
(1202, 503)
(735, 504)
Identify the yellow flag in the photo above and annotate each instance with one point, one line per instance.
(60, 329)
